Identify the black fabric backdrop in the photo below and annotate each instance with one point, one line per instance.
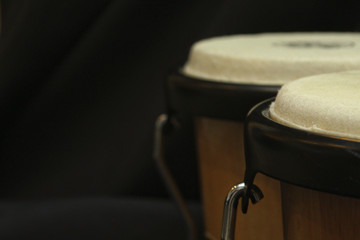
(81, 86)
(92, 218)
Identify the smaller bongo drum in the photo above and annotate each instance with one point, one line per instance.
(221, 81)
(309, 139)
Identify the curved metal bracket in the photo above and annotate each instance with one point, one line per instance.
(231, 204)
(164, 124)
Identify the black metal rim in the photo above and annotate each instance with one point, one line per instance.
(312, 160)
(198, 97)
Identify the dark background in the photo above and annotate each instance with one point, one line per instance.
(81, 84)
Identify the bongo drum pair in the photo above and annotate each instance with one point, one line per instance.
(309, 139)
(222, 80)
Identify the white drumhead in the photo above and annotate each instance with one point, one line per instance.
(272, 59)
(327, 103)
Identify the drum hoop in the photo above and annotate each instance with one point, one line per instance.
(206, 98)
(306, 159)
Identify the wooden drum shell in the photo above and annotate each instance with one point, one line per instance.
(310, 214)
(218, 110)
(222, 164)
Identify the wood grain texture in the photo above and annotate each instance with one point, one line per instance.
(316, 215)
(222, 165)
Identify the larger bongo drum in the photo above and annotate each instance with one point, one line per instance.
(309, 139)
(223, 78)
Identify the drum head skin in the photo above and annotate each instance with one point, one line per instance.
(272, 59)
(326, 103)
(313, 160)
